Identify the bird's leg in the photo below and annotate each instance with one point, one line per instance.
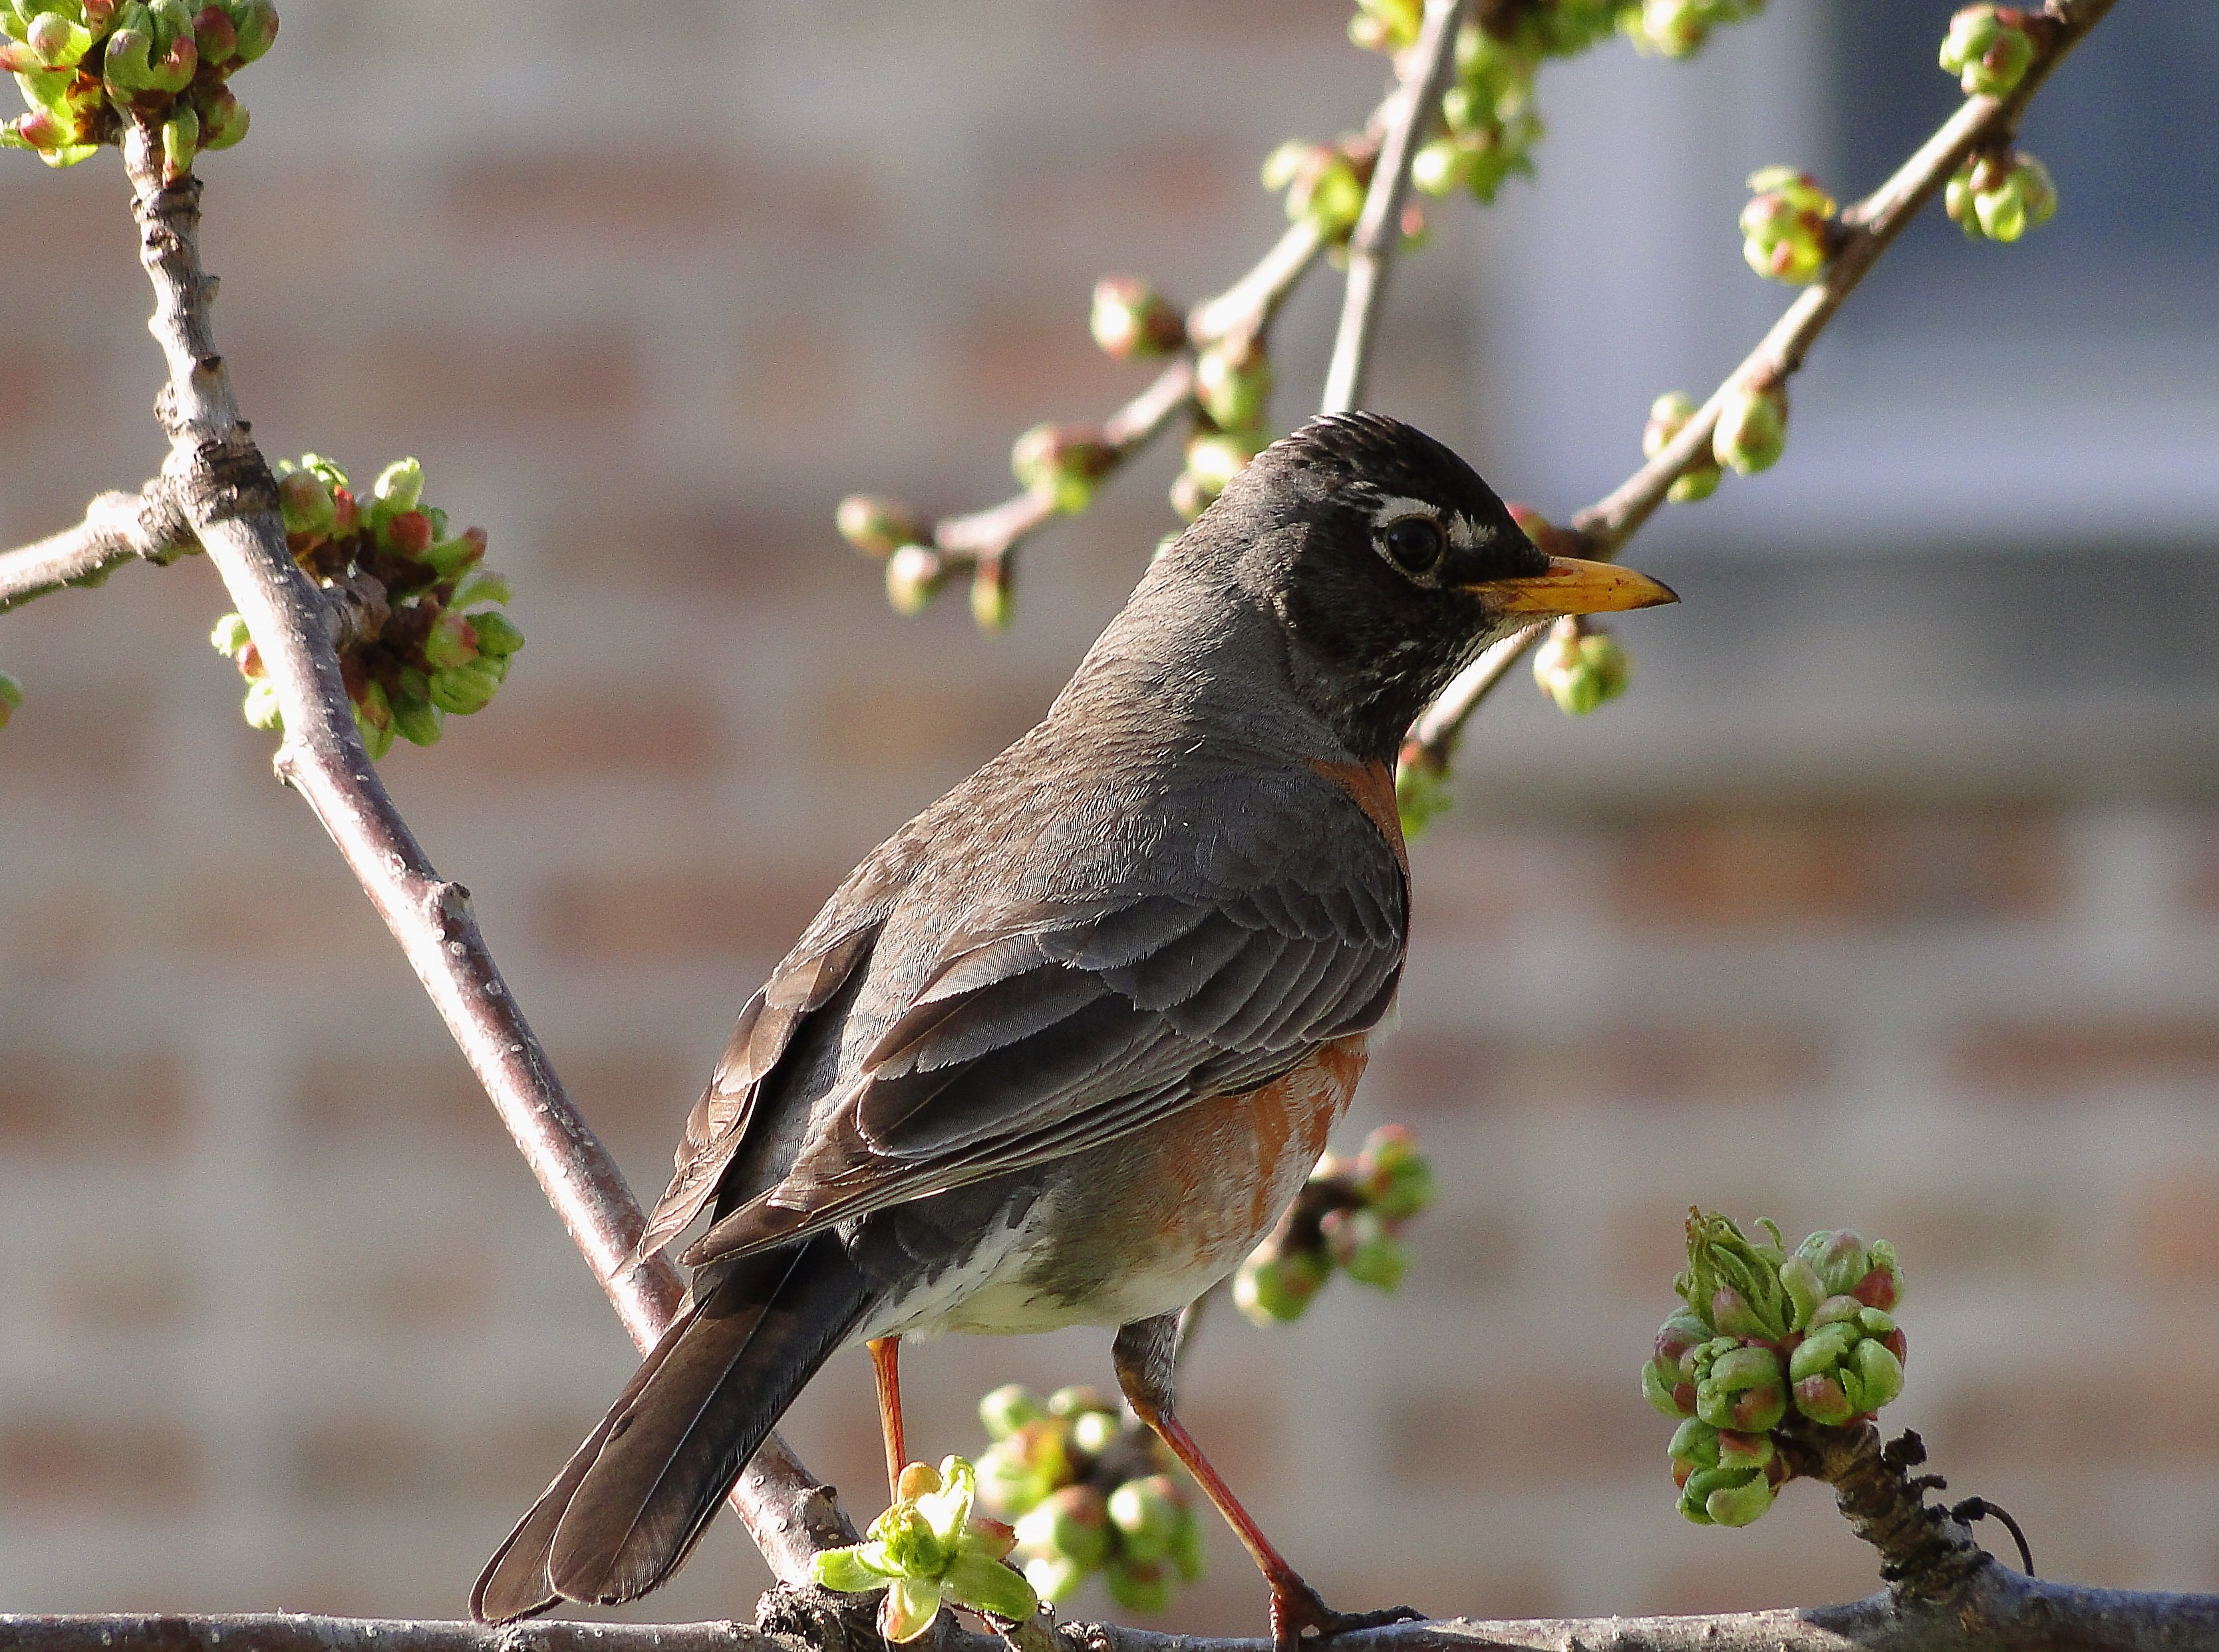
(1143, 1354)
(886, 1366)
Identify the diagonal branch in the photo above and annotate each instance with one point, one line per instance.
(148, 526)
(1867, 229)
(229, 503)
(1415, 104)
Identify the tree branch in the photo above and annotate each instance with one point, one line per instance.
(1867, 229)
(1412, 109)
(229, 503)
(148, 525)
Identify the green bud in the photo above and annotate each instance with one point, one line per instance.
(1838, 1258)
(1073, 1523)
(1394, 1177)
(1215, 458)
(1752, 428)
(215, 34)
(1580, 667)
(1988, 49)
(1274, 1288)
(1787, 225)
(127, 64)
(1422, 792)
(1385, 25)
(992, 602)
(1233, 382)
(181, 140)
(305, 500)
(448, 558)
(398, 488)
(58, 40)
(1694, 1447)
(452, 641)
(877, 527)
(1739, 1504)
(1667, 415)
(1189, 1553)
(1322, 186)
(1138, 1585)
(230, 635)
(1055, 1578)
(1359, 1241)
(223, 117)
(261, 706)
(1076, 1400)
(373, 719)
(1145, 1513)
(483, 585)
(1019, 1469)
(170, 68)
(1441, 165)
(1007, 1409)
(256, 21)
(11, 697)
(1131, 321)
(1094, 1432)
(416, 720)
(462, 690)
(1063, 464)
(1668, 1379)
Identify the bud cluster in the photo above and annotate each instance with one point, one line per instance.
(1999, 196)
(1674, 28)
(1989, 49)
(1233, 392)
(1488, 115)
(1350, 1216)
(86, 67)
(1580, 666)
(930, 1547)
(11, 696)
(1788, 228)
(1769, 1341)
(1752, 429)
(432, 642)
(1089, 1492)
(1668, 416)
(1325, 183)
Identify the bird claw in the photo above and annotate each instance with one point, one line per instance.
(1301, 1608)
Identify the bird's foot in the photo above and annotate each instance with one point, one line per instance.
(1297, 1609)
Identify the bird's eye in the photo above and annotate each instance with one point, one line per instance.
(1414, 543)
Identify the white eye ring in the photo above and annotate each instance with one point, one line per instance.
(1414, 543)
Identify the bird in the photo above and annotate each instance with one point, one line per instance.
(1062, 1048)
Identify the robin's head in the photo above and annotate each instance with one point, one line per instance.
(1389, 564)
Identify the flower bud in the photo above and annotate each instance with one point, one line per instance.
(127, 64)
(1322, 184)
(215, 34)
(1138, 1585)
(58, 41)
(1233, 382)
(1055, 1578)
(914, 576)
(877, 527)
(1145, 1513)
(1190, 1555)
(223, 117)
(452, 641)
(181, 141)
(256, 21)
(416, 720)
(398, 488)
(408, 534)
(1787, 225)
(1072, 1522)
(1215, 458)
(1273, 1288)
(1668, 1379)
(448, 558)
(11, 696)
(260, 706)
(1738, 1387)
(1359, 1241)
(1062, 464)
(462, 690)
(1988, 49)
(992, 602)
(1393, 1177)
(171, 67)
(1667, 415)
(230, 635)
(1094, 1432)
(1007, 1409)
(306, 502)
(1385, 25)
(1752, 429)
(1131, 321)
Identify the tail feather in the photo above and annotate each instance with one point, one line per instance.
(633, 1500)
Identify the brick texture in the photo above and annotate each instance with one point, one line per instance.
(1836, 919)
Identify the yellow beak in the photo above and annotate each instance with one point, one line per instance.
(1572, 587)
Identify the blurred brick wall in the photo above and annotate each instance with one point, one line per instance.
(1883, 900)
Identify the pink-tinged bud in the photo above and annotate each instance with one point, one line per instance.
(347, 514)
(43, 130)
(306, 503)
(214, 35)
(408, 534)
(249, 663)
(99, 14)
(1130, 320)
(257, 24)
(877, 527)
(172, 71)
(223, 117)
(450, 642)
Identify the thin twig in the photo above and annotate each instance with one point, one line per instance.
(1867, 229)
(147, 526)
(230, 503)
(1412, 110)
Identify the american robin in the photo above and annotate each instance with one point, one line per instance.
(1061, 1049)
